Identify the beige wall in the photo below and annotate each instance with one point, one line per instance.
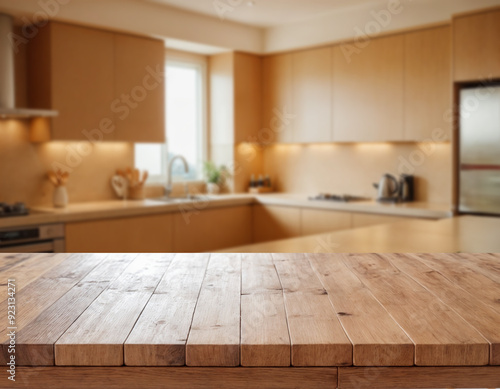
(24, 165)
(352, 168)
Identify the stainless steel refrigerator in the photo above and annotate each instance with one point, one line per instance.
(480, 150)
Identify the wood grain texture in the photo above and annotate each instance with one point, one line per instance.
(428, 91)
(441, 336)
(160, 334)
(40, 294)
(264, 331)
(316, 335)
(214, 339)
(173, 378)
(96, 338)
(35, 342)
(377, 339)
(483, 288)
(418, 377)
(485, 319)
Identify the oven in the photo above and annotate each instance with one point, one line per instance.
(48, 238)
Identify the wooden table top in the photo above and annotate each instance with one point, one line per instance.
(254, 310)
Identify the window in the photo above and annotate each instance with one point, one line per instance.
(185, 125)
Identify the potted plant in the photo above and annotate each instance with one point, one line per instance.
(216, 177)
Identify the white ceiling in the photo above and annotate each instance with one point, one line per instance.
(263, 13)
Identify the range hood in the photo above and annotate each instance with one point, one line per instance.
(8, 108)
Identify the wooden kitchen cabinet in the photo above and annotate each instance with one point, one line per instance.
(315, 221)
(70, 69)
(368, 92)
(146, 234)
(369, 219)
(247, 93)
(97, 79)
(275, 222)
(198, 230)
(277, 97)
(312, 96)
(139, 67)
(428, 84)
(476, 45)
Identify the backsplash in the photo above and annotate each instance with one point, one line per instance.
(352, 168)
(24, 166)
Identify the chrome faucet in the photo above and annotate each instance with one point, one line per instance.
(168, 187)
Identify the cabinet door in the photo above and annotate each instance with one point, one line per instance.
(247, 97)
(476, 42)
(275, 222)
(212, 229)
(428, 85)
(143, 234)
(81, 77)
(277, 97)
(368, 219)
(316, 221)
(139, 104)
(312, 96)
(368, 92)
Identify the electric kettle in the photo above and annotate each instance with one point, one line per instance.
(388, 189)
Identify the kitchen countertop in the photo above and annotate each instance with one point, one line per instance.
(459, 234)
(330, 315)
(119, 208)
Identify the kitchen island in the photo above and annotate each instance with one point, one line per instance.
(253, 320)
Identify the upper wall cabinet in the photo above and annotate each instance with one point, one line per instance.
(312, 96)
(368, 91)
(139, 67)
(428, 85)
(476, 40)
(105, 86)
(277, 97)
(247, 91)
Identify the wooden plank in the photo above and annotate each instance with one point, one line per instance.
(35, 342)
(258, 274)
(159, 336)
(483, 288)
(172, 378)
(316, 335)
(264, 331)
(40, 294)
(441, 337)
(486, 264)
(377, 339)
(419, 377)
(479, 315)
(25, 268)
(96, 338)
(214, 339)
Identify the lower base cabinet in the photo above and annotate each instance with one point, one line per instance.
(315, 221)
(272, 222)
(367, 219)
(198, 230)
(141, 234)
